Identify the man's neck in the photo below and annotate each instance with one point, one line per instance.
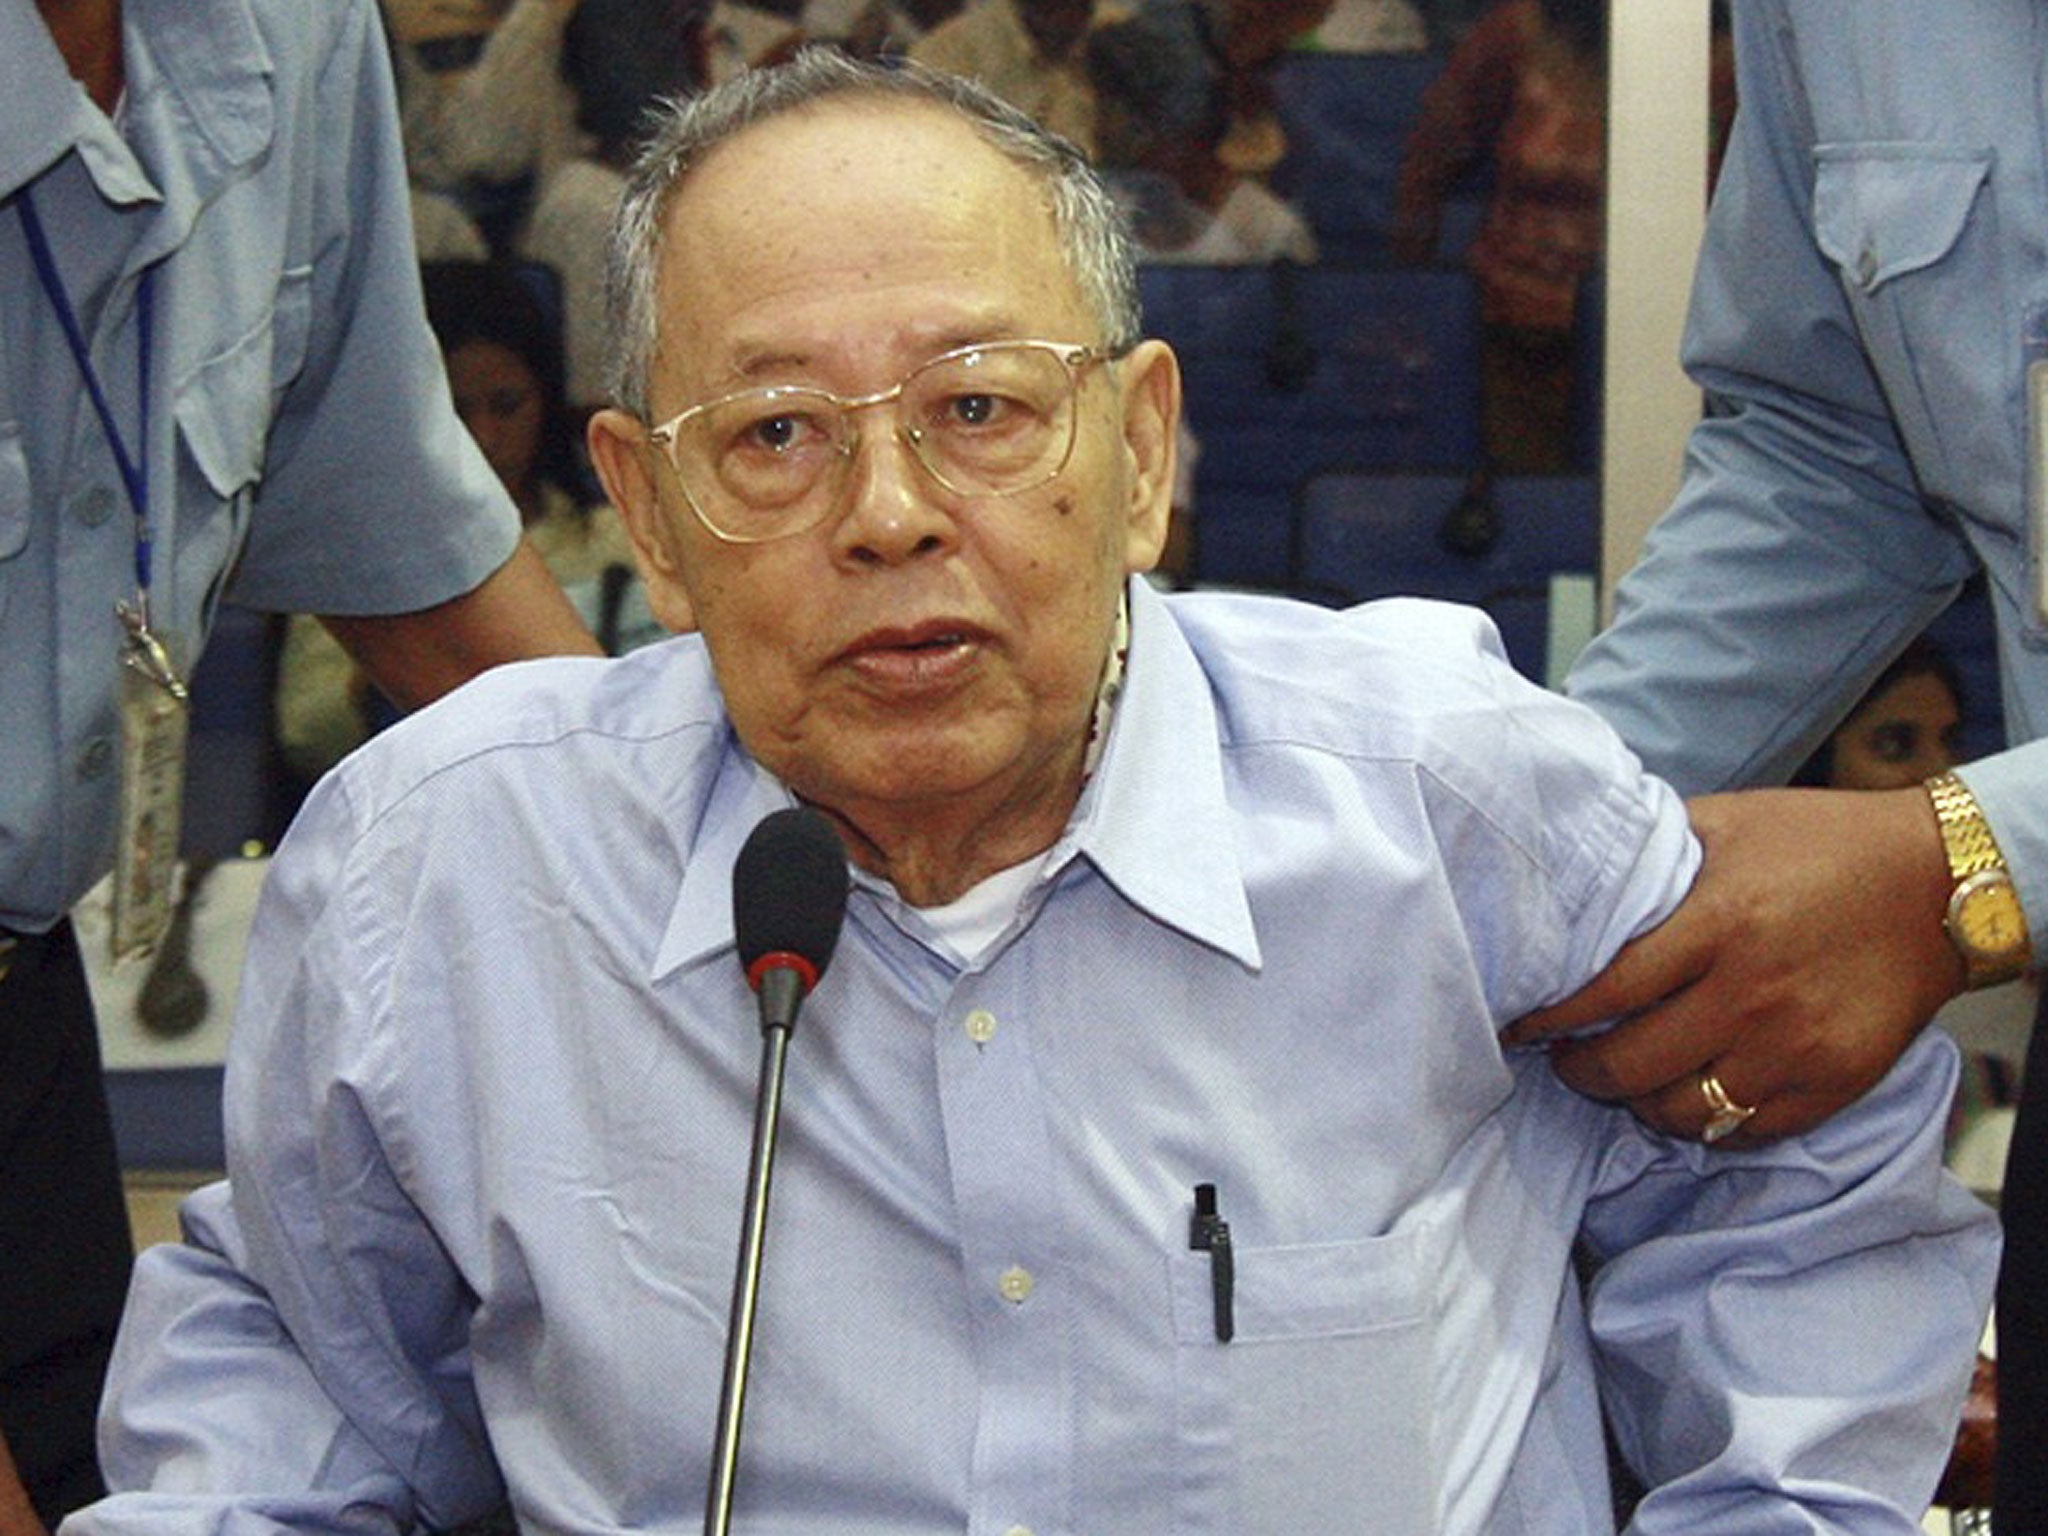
(937, 855)
(88, 35)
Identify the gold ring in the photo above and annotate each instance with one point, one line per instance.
(1724, 1114)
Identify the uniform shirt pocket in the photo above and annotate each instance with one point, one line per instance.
(1907, 227)
(1307, 1420)
(226, 404)
(1883, 210)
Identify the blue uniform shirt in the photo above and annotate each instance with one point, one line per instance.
(302, 453)
(1876, 256)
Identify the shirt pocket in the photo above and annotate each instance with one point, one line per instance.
(226, 404)
(1306, 1420)
(1895, 220)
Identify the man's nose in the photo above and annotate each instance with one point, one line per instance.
(895, 510)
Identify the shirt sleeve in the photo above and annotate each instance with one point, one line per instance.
(374, 499)
(306, 1359)
(1786, 1334)
(1799, 555)
(213, 1416)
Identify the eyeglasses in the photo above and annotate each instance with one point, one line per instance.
(996, 419)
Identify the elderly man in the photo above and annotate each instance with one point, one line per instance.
(1151, 897)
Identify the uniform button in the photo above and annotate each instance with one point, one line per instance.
(1016, 1285)
(1018, 1530)
(95, 757)
(1866, 267)
(93, 507)
(980, 1026)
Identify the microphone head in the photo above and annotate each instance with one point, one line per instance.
(789, 895)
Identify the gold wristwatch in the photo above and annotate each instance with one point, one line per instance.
(1984, 920)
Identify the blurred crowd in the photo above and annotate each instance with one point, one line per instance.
(519, 114)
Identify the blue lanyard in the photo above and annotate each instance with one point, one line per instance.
(134, 469)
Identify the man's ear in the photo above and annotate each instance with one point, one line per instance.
(1151, 421)
(624, 461)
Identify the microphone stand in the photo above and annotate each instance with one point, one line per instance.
(781, 992)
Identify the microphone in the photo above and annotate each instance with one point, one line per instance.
(788, 901)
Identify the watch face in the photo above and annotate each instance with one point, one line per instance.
(1985, 917)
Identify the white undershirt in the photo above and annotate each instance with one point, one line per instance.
(974, 921)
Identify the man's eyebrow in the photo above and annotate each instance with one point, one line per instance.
(751, 367)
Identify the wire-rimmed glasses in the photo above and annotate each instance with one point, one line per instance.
(993, 419)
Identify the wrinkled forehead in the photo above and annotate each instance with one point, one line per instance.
(855, 210)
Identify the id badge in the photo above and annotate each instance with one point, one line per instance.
(155, 716)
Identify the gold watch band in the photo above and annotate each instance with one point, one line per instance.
(1965, 834)
(1984, 919)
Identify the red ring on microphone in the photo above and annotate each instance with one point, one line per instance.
(783, 960)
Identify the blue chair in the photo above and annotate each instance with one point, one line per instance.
(1391, 351)
(235, 789)
(168, 1117)
(1548, 523)
(1359, 535)
(1291, 371)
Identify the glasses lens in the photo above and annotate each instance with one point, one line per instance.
(758, 464)
(995, 419)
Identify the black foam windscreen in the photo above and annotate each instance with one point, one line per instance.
(789, 889)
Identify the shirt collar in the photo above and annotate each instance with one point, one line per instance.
(44, 113)
(199, 99)
(1154, 820)
(700, 924)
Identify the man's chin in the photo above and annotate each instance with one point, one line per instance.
(927, 775)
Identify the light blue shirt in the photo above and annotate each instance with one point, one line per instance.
(302, 454)
(490, 1095)
(1872, 264)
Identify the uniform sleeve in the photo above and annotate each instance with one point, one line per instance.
(374, 499)
(304, 1360)
(1798, 557)
(1786, 1335)
(1800, 554)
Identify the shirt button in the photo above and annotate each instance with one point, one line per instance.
(95, 758)
(980, 1026)
(93, 507)
(1018, 1530)
(1016, 1285)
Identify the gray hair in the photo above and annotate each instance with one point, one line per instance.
(683, 131)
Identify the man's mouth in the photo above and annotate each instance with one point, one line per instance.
(923, 656)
